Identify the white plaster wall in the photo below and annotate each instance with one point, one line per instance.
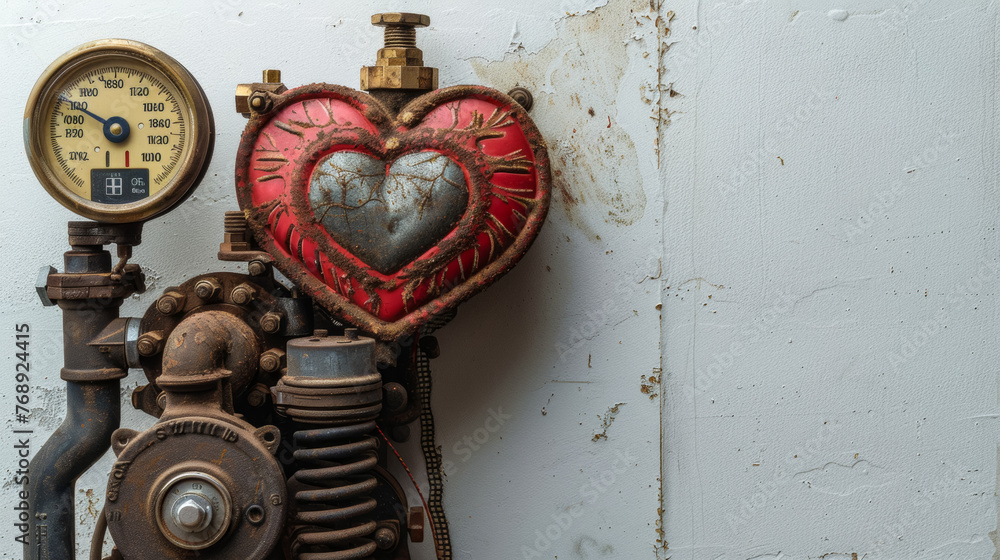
(829, 302)
(786, 207)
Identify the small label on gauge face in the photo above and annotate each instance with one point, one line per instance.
(118, 186)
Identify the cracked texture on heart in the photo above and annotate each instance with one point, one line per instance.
(388, 215)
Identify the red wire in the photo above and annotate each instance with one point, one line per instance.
(427, 509)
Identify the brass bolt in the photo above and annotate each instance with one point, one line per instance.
(270, 322)
(400, 64)
(115, 129)
(170, 302)
(150, 343)
(257, 268)
(400, 19)
(242, 294)
(271, 76)
(208, 289)
(271, 360)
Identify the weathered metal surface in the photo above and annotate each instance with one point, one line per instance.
(330, 357)
(180, 302)
(481, 131)
(93, 412)
(226, 449)
(200, 436)
(209, 347)
(332, 383)
(387, 218)
(94, 362)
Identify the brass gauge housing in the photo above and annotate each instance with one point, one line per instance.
(118, 131)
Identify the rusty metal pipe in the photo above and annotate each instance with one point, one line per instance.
(209, 347)
(90, 297)
(93, 412)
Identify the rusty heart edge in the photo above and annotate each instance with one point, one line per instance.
(377, 113)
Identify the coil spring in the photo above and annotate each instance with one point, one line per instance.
(330, 522)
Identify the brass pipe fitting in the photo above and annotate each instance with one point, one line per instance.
(400, 64)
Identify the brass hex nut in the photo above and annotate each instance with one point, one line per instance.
(243, 93)
(399, 61)
(401, 18)
(399, 77)
(398, 52)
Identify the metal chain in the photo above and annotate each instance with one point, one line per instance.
(432, 456)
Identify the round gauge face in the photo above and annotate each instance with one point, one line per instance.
(118, 131)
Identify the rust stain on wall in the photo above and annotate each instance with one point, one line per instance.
(607, 420)
(576, 80)
(648, 385)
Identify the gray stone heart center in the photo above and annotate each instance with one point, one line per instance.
(388, 215)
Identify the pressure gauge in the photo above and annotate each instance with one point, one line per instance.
(117, 131)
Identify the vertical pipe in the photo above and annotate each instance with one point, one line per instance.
(93, 412)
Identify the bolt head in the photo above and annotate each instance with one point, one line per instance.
(243, 92)
(523, 97)
(270, 322)
(257, 268)
(192, 513)
(255, 398)
(207, 289)
(401, 18)
(168, 304)
(148, 345)
(385, 538)
(270, 362)
(41, 285)
(242, 295)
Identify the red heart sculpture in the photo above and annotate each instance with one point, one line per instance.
(387, 221)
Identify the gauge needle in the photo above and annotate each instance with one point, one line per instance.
(116, 129)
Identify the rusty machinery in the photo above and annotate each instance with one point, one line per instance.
(273, 395)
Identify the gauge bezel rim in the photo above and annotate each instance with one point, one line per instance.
(192, 166)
